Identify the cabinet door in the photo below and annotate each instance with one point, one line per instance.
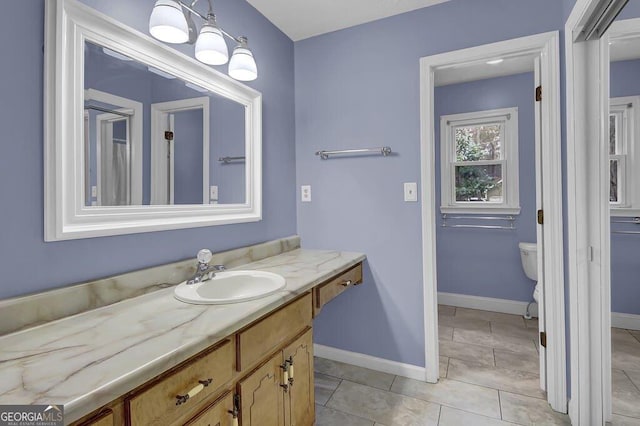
(299, 400)
(220, 413)
(261, 395)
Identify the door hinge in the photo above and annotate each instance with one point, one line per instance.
(168, 135)
(538, 93)
(543, 339)
(540, 217)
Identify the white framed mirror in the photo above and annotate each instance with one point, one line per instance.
(138, 136)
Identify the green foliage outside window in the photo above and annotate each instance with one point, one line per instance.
(473, 183)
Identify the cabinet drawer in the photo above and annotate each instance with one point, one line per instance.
(220, 413)
(157, 403)
(105, 418)
(265, 336)
(332, 288)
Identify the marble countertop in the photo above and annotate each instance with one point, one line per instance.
(87, 360)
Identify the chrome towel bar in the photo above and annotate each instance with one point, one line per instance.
(510, 219)
(227, 160)
(385, 151)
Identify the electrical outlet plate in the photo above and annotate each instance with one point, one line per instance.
(213, 193)
(305, 193)
(410, 191)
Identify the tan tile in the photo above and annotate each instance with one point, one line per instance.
(383, 406)
(489, 316)
(497, 341)
(446, 310)
(465, 351)
(529, 411)
(350, 372)
(532, 323)
(454, 417)
(634, 376)
(625, 396)
(329, 417)
(522, 382)
(516, 330)
(465, 323)
(324, 387)
(445, 333)
(472, 398)
(620, 335)
(625, 355)
(517, 361)
(624, 421)
(636, 334)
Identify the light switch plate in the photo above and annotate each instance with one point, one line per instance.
(410, 191)
(305, 193)
(94, 191)
(213, 193)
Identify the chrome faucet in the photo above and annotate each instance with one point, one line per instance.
(204, 272)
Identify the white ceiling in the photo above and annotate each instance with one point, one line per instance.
(300, 19)
(464, 73)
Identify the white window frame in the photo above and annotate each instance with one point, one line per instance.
(509, 149)
(627, 109)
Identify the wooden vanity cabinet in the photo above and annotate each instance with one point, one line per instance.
(280, 392)
(299, 400)
(219, 413)
(333, 287)
(260, 376)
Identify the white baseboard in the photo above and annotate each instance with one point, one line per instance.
(628, 321)
(486, 303)
(370, 362)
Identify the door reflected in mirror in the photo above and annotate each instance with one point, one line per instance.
(153, 139)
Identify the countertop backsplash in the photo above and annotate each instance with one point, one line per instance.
(27, 311)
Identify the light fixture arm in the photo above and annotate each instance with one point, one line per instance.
(191, 9)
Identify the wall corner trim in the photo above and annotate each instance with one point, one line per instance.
(373, 363)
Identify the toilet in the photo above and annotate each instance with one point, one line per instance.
(529, 258)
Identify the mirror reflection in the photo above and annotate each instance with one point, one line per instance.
(153, 139)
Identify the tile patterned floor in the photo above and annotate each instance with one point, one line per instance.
(489, 376)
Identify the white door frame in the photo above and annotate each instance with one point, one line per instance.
(136, 123)
(547, 44)
(587, 66)
(159, 151)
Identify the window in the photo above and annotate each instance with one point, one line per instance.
(479, 154)
(623, 161)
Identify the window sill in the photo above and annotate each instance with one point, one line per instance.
(480, 210)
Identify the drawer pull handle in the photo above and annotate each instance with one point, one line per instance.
(285, 387)
(346, 283)
(181, 399)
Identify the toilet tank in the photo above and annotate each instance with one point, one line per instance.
(529, 258)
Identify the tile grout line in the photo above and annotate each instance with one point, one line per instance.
(631, 380)
(332, 393)
(500, 405)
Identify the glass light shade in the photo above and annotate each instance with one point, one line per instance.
(242, 66)
(168, 23)
(211, 47)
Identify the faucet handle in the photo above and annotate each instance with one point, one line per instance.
(204, 256)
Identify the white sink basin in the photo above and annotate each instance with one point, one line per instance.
(230, 287)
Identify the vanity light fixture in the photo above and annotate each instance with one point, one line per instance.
(495, 61)
(168, 23)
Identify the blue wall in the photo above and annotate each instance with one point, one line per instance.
(359, 87)
(484, 262)
(30, 264)
(625, 268)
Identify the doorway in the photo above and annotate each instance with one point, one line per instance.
(545, 47)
